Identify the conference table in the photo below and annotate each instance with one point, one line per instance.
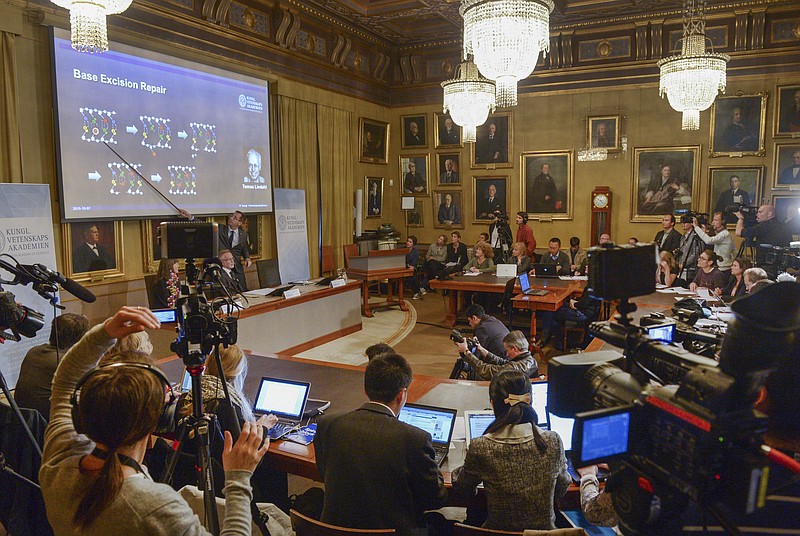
(559, 291)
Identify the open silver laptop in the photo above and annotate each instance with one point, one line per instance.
(286, 399)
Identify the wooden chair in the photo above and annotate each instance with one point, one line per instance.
(328, 262)
(467, 530)
(305, 526)
(350, 250)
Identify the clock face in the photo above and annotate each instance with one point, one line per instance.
(600, 200)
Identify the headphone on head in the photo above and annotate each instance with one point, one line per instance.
(166, 421)
(524, 216)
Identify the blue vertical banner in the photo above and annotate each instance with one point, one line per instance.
(291, 229)
(26, 237)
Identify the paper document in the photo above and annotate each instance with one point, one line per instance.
(471, 274)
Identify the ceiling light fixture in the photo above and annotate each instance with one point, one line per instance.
(469, 99)
(87, 20)
(505, 37)
(692, 79)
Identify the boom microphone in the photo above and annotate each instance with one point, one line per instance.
(73, 287)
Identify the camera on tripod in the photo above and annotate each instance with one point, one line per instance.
(675, 426)
(748, 211)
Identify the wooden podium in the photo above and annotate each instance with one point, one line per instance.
(378, 265)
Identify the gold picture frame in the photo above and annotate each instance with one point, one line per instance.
(442, 214)
(373, 141)
(750, 186)
(451, 138)
(649, 163)
(418, 182)
(416, 217)
(414, 131)
(494, 153)
(370, 203)
(738, 125)
(482, 201)
(547, 184)
(786, 121)
(81, 263)
(603, 132)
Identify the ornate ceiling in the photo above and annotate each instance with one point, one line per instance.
(412, 23)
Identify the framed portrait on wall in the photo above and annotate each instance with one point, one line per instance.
(373, 141)
(665, 179)
(787, 111)
(373, 201)
(547, 184)
(489, 195)
(738, 125)
(448, 134)
(93, 250)
(448, 206)
(449, 169)
(786, 209)
(731, 185)
(603, 132)
(414, 133)
(492, 147)
(786, 171)
(414, 217)
(414, 174)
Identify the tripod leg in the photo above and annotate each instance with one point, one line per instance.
(206, 483)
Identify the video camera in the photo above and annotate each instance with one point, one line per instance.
(21, 320)
(675, 426)
(687, 216)
(461, 365)
(748, 211)
(500, 216)
(202, 324)
(777, 259)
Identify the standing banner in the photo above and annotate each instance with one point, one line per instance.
(291, 230)
(26, 236)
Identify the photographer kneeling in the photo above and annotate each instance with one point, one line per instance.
(485, 364)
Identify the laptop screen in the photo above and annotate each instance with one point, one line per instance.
(563, 427)
(524, 283)
(438, 422)
(543, 269)
(286, 399)
(477, 423)
(539, 401)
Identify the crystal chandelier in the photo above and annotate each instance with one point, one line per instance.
(505, 37)
(469, 99)
(693, 78)
(87, 20)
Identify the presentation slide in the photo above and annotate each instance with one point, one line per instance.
(199, 135)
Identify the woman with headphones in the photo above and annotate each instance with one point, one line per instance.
(92, 476)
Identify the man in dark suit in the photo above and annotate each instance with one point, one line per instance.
(449, 134)
(232, 237)
(448, 211)
(668, 238)
(228, 275)
(487, 205)
(374, 200)
(91, 255)
(449, 175)
(379, 473)
(492, 148)
(729, 197)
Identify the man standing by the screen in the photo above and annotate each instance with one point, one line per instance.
(91, 255)
(234, 238)
(254, 168)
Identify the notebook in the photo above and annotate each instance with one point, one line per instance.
(525, 285)
(286, 399)
(545, 270)
(438, 422)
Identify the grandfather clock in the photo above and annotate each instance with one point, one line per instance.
(601, 213)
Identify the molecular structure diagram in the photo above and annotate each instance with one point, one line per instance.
(182, 180)
(203, 137)
(124, 179)
(156, 133)
(98, 125)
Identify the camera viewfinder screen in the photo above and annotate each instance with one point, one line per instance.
(663, 333)
(605, 436)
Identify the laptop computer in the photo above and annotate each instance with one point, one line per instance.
(563, 427)
(286, 399)
(545, 270)
(506, 270)
(476, 423)
(525, 285)
(438, 422)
